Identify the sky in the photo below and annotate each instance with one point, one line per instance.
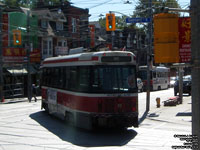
(98, 7)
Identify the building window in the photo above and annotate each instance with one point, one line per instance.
(47, 50)
(50, 48)
(74, 25)
(44, 23)
(45, 47)
(65, 44)
(59, 25)
(59, 43)
(62, 43)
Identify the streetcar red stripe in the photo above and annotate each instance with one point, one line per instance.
(93, 104)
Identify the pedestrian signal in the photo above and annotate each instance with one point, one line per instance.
(17, 40)
(110, 22)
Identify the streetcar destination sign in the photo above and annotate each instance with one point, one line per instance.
(137, 20)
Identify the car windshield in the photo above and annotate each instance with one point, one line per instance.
(173, 78)
(187, 78)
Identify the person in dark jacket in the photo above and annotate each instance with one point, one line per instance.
(34, 89)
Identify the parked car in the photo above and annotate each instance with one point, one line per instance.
(187, 83)
(139, 85)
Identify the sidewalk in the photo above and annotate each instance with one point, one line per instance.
(160, 127)
(179, 113)
(17, 100)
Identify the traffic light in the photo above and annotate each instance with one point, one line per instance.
(110, 22)
(17, 39)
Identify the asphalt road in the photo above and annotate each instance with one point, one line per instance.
(24, 126)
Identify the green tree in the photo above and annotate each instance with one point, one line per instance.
(141, 10)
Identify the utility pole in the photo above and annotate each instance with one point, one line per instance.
(149, 55)
(113, 39)
(195, 38)
(180, 76)
(1, 59)
(29, 88)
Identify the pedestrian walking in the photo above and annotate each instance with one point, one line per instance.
(34, 91)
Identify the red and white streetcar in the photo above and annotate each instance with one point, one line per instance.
(97, 89)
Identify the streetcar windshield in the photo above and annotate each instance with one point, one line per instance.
(113, 79)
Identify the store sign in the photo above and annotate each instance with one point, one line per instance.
(185, 39)
(5, 30)
(61, 50)
(18, 55)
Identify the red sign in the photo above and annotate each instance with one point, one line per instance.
(92, 35)
(185, 39)
(19, 55)
(5, 30)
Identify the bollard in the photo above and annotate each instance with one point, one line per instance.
(158, 102)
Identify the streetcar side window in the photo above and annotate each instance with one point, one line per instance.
(84, 81)
(73, 79)
(154, 74)
(55, 77)
(67, 77)
(62, 77)
(96, 82)
(44, 77)
(48, 76)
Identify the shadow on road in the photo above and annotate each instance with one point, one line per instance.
(184, 114)
(143, 117)
(83, 137)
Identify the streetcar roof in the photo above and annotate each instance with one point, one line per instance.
(89, 56)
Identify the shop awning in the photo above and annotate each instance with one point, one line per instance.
(32, 69)
(21, 70)
(17, 71)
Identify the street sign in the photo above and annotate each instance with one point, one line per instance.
(138, 20)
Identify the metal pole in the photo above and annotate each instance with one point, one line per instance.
(195, 38)
(29, 89)
(113, 36)
(1, 60)
(149, 56)
(181, 84)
